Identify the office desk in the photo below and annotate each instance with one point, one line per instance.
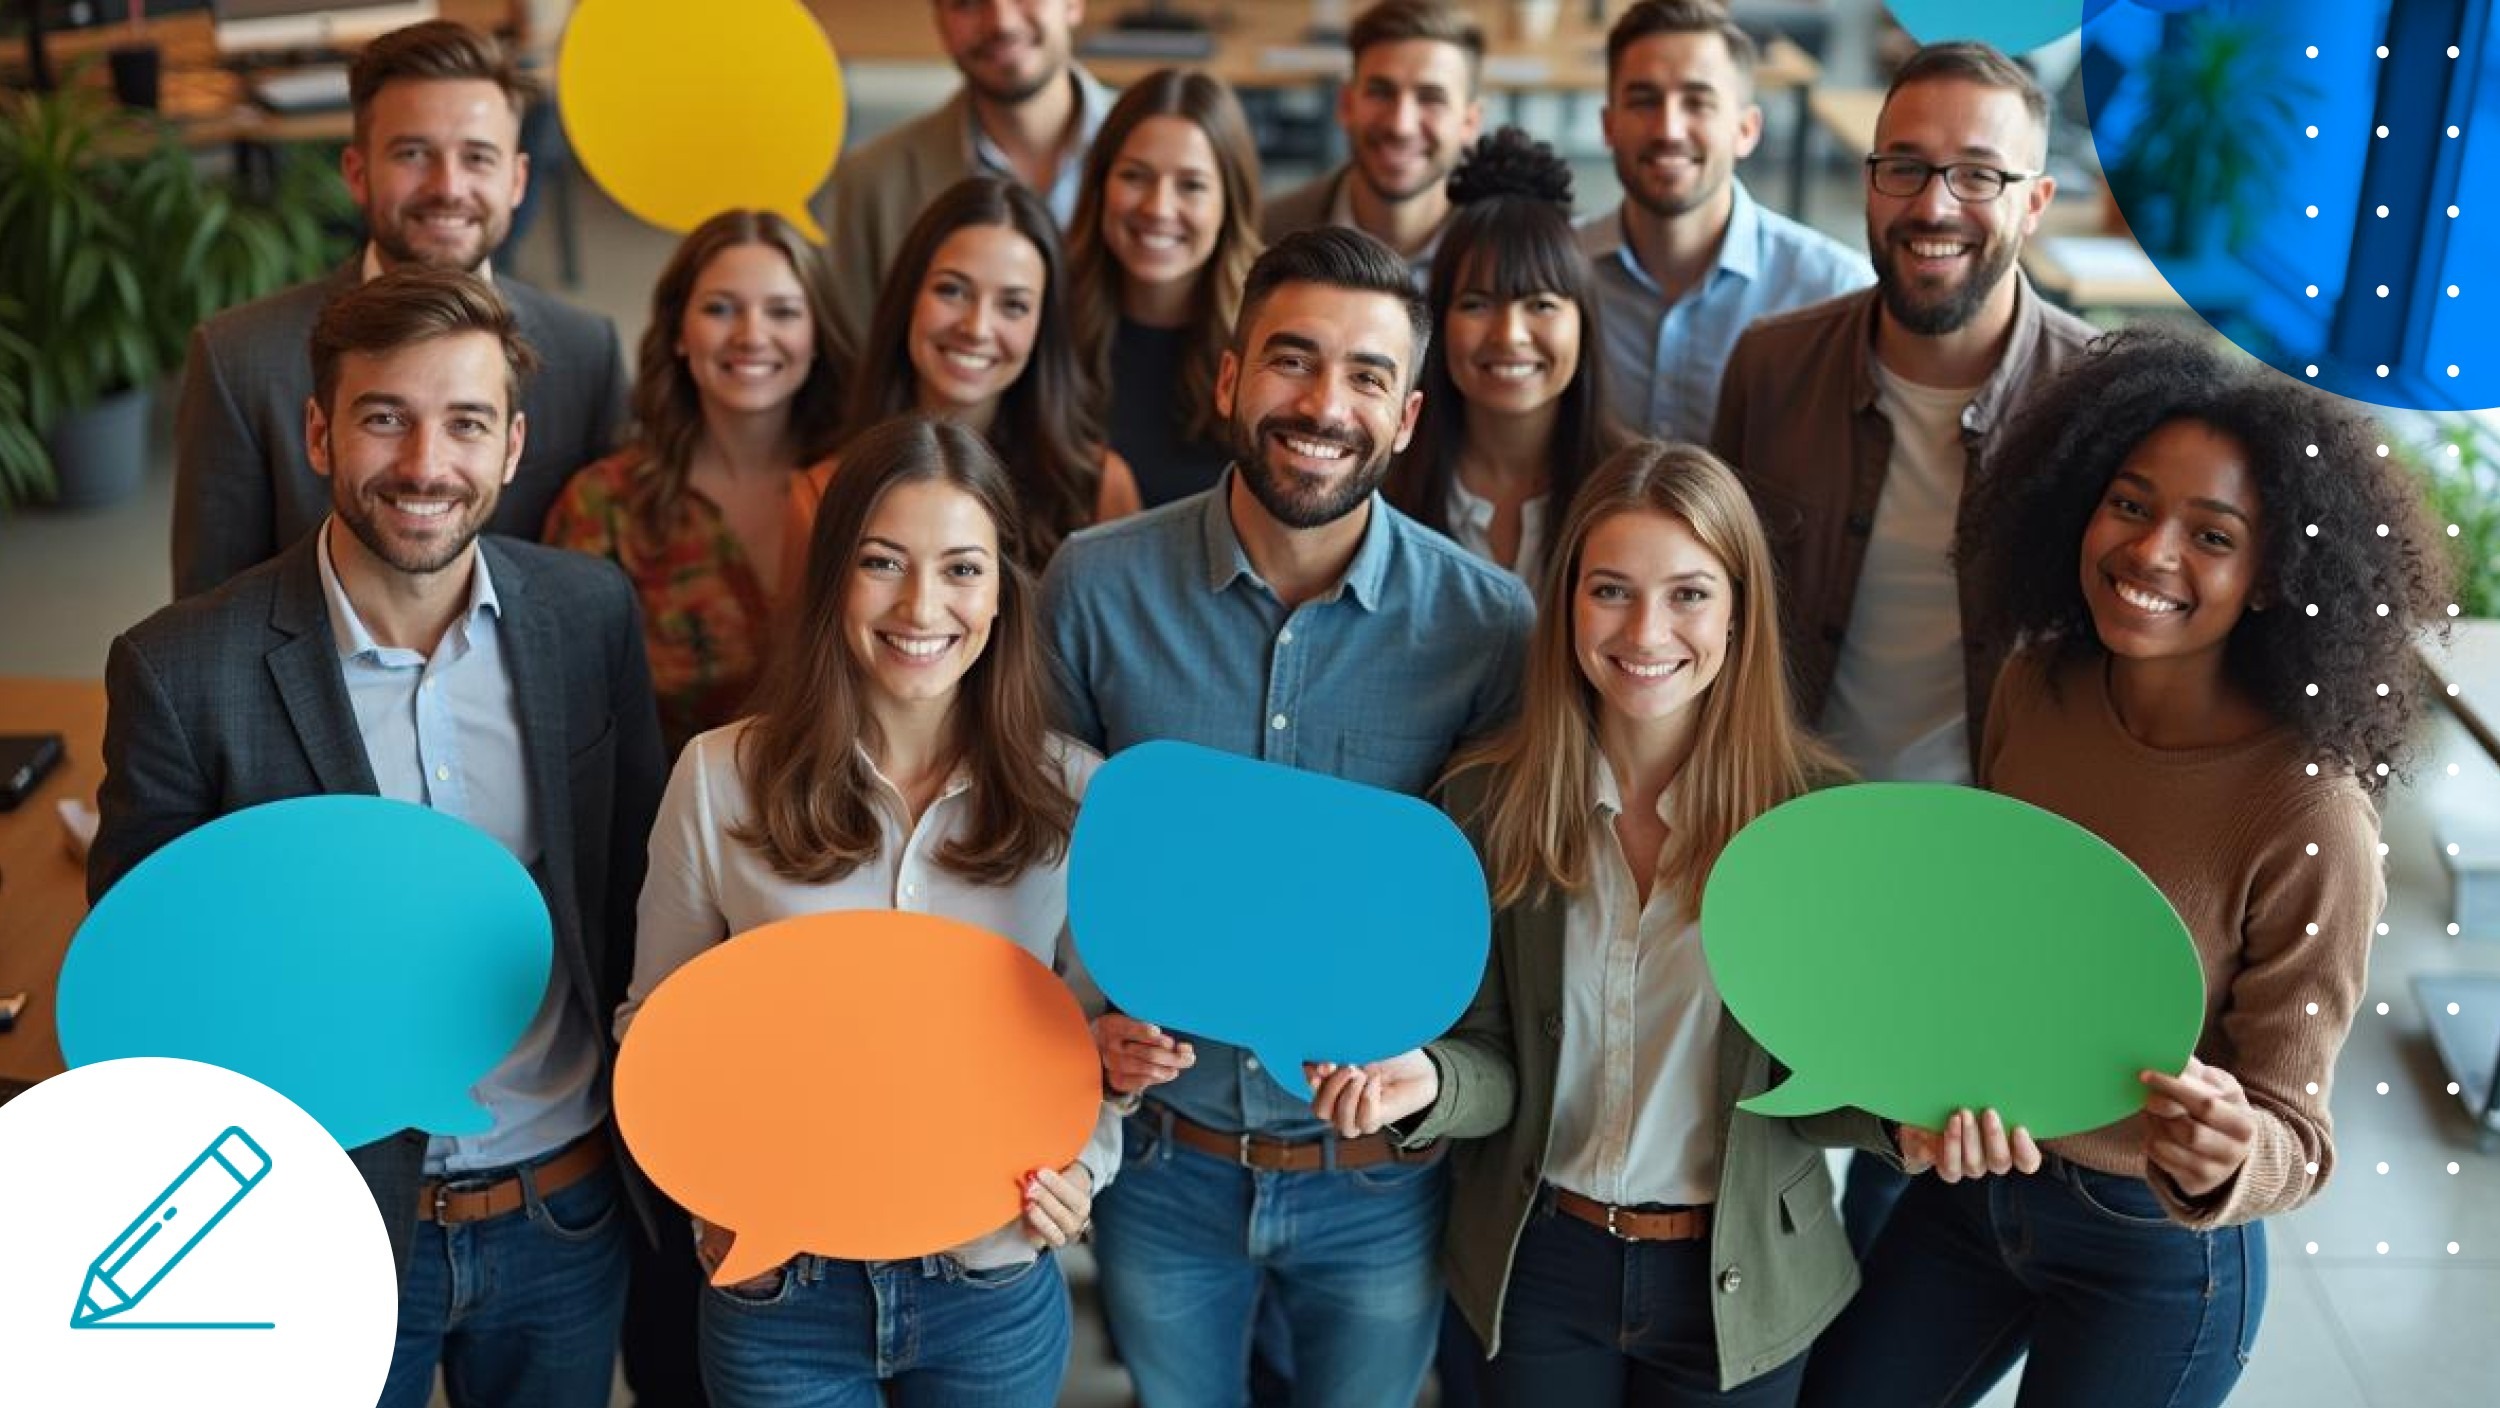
(200, 94)
(43, 893)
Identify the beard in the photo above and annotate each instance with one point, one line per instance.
(362, 512)
(1948, 310)
(1299, 499)
(1705, 186)
(392, 238)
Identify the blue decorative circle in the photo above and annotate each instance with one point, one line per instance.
(2012, 25)
(2319, 179)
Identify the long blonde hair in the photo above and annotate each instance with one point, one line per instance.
(1748, 754)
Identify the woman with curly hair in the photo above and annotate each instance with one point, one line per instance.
(1512, 418)
(731, 401)
(1166, 228)
(2215, 582)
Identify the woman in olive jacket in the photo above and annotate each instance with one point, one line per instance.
(1619, 1232)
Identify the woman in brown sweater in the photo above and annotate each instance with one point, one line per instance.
(2216, 579)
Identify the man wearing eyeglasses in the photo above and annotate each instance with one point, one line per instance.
(1858, 423)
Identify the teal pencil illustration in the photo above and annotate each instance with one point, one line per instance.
(156, 1241)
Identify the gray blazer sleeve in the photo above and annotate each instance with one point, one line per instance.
(154, 789)
(224, 517)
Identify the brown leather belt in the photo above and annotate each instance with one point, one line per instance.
(1632, 1226)
(443, 1200)
(1294, 1155)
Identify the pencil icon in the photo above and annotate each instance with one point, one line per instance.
(196, 1200)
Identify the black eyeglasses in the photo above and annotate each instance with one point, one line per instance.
(1971, 182)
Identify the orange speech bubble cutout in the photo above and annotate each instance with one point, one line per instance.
(864, 1084)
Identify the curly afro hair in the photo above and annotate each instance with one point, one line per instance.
(2349, 562)
(1509, 162)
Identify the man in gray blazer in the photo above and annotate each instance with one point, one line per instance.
(1409, 112)
(394, 651)
(436, 167)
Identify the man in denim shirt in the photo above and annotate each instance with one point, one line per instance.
(1287, 614)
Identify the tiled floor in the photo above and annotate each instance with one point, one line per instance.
(2411, 1327)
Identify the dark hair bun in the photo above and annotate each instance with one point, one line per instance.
(1511, 163)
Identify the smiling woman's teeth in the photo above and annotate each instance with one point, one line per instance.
(1646, 672)
(919, 649)
(2143, 600)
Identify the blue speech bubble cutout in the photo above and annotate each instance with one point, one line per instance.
(2014, 26)
(1302, 916)
(2241, 138)
(368, 959)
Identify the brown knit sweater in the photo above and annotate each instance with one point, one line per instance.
(2225, 834)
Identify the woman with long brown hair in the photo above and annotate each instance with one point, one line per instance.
(1602, 1171)
(899, 757)
(731, 400)
(1166, 228)
(973, 326)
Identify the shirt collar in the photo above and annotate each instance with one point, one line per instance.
(347, 629)
(958, 779)
(1093, 104)
(1228, 561)
(373, 265)
(2005, 381)
(1341, 212)
(1740, 248)
(1609, 797)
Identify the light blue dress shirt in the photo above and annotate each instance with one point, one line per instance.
(1663, 360)
(443, 731)
(1161, 629)
(1093, 104)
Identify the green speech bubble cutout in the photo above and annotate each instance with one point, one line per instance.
(1913, 949)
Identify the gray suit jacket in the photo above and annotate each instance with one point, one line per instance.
(235, 697)
(243, 487)
(1305, 207)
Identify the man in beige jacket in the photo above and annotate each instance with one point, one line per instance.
(1027, 111)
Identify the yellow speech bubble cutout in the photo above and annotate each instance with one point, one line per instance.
(680, 118)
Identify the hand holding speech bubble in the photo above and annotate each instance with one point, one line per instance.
(1302, 916)
(1913, 949)
(680, 119)
(866, 1084)
(368, 959)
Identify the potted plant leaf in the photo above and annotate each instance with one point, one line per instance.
(2207, 150)
(69, 260)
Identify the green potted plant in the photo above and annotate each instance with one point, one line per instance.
(2207, 150)
(112, 247)
(25, 470)
(2460, 472)
(69, 260)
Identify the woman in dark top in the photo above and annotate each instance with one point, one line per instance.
(1164, 234)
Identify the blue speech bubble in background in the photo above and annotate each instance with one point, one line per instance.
(2012, 25)
(1301, 916)
(2242, 142)
(368, 959)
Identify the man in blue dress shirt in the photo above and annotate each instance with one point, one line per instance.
(1287, 614)
(1690, 257)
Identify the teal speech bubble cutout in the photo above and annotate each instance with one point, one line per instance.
(1913, 949)
(368, 959)
(1302, 916)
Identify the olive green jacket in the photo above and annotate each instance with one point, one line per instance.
(1780, 1266)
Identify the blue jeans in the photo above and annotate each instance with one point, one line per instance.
(2116, 1304)
(1187, 1242)
(914, 1334)
(1593, 1320)
(518, 1309)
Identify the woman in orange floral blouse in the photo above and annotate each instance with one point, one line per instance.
(731, 400)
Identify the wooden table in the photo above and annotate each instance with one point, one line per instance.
(43, 893)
